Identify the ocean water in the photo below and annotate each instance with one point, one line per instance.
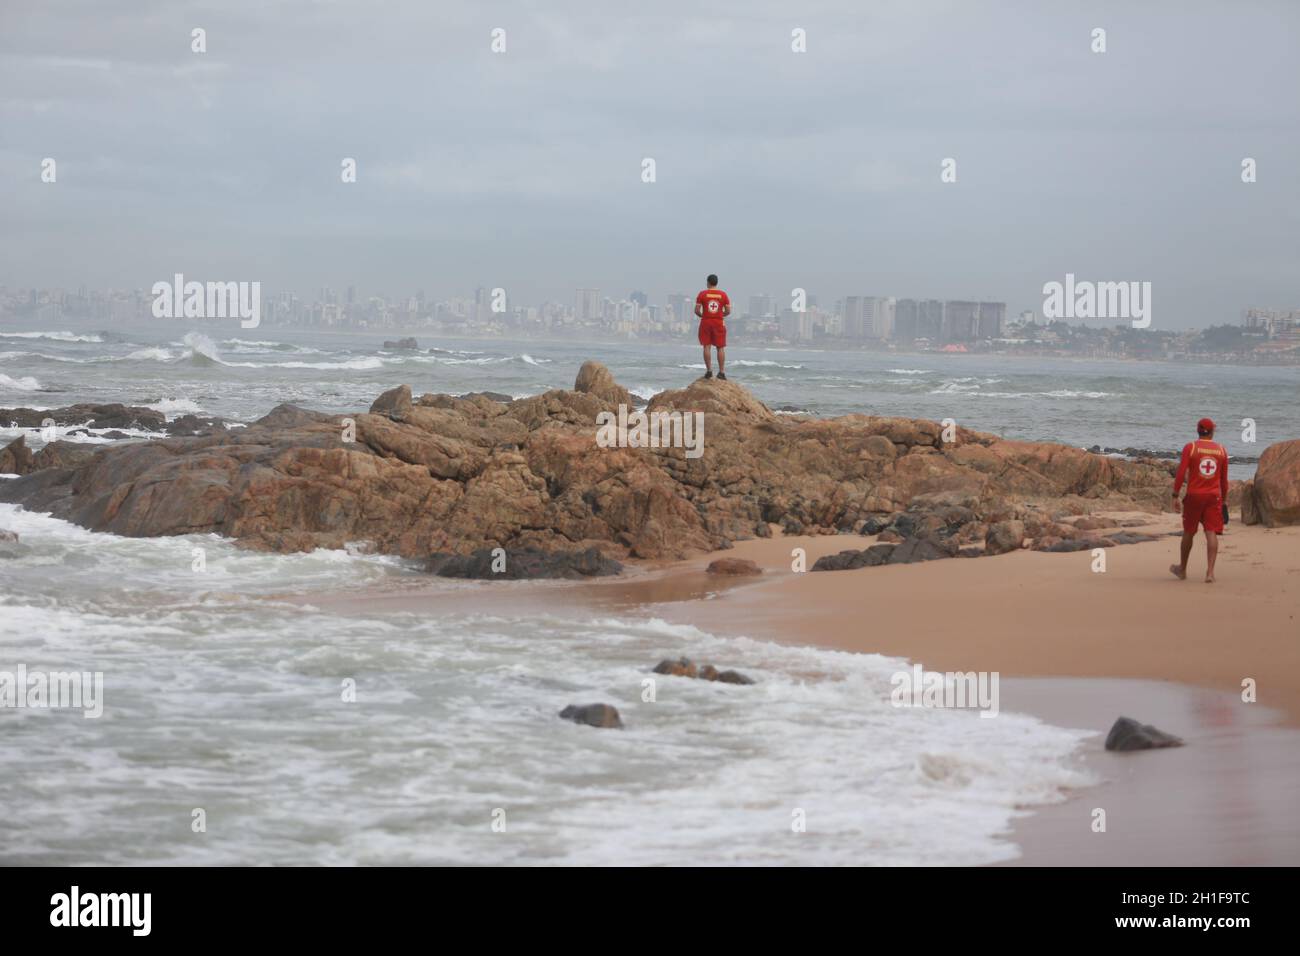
(223, 694)
(242, 374)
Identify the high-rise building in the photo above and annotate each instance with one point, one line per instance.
(587, 307)
(681, 307)
(796, 326)
(961, 321)
(877, 317)
(638, 297)
(761, 305)
(929, 319)
(993, 316)
(906, 314)
(853, 321)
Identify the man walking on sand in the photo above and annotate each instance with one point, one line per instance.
(1205, 465)
(712, 306)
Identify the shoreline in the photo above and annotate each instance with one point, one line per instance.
(1226, 798)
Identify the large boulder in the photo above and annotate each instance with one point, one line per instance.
(733, 566)
(16, 457)
(1276, 488)
(394, 403)
(595, 379)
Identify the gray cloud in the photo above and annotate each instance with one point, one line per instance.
(774, 169)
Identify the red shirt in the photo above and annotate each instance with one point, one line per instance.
(715, 302)
(1205, 465)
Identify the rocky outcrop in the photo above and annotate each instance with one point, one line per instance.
(595, 379)
(95, 416)
(441, 474)
(593, 715)
(1128, 734)
(406, 343)
(740, 567)
(17, 459)
(1273, 497)
(112, 416)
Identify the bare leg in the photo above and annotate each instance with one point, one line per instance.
(1211, 552)
(722, 359)
(1185, 551)
(708, 360)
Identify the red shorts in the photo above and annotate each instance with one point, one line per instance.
(1204, 510)
(713, 332)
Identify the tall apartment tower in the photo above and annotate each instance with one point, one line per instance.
(853, 319)
(587, 307)
(993, 317)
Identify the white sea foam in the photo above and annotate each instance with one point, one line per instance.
(174, 407)
(53, 336)
(215, 688)
(24, 384)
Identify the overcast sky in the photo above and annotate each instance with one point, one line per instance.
(775, 169)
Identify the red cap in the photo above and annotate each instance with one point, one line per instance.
(1205, 425)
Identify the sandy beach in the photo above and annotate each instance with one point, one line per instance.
(1075, 647)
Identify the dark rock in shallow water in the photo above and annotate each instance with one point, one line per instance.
(1128, 734)
(733, 566)
(682, 667)
(593, 715)
(523, 565)
(685, 667)
(733, 677)
(113, 415)
(406, 343)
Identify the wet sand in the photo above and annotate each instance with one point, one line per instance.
(1074, 647)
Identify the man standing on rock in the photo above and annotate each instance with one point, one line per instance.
(712, 306)
(1205, 465)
